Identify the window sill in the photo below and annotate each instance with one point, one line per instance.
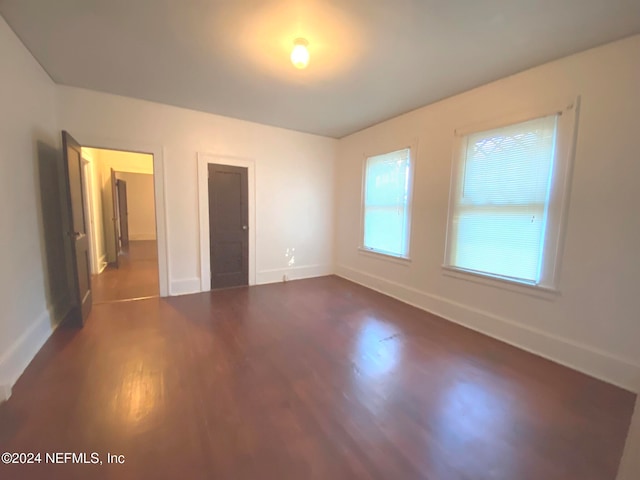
(540, 291)
(384, 256)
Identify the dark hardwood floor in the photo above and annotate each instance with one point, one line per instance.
(318, 379)
(136, 276)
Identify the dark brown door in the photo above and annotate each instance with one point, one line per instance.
(228, 226)
(123, 212)
(114, 219)
(78, 227)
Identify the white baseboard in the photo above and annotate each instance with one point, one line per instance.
(293, 273)
(134, 237)
(194, 285)
(184, 286)
(17, 357)
(5, 392)
(586, 359)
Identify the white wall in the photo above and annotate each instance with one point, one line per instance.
(32, 302)
(593, 324)
(120, 161)
(140, 205)
(294, 178)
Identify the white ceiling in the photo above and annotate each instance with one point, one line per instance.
(370, 59)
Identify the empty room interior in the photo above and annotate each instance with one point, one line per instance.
(320, 239)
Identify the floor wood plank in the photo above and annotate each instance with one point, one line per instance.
(135, 277)
(318, 379)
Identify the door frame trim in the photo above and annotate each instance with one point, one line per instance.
(204, 159)
(159, 187)
(87, 184)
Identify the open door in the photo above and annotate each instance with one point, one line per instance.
(78, 227)
(123, 212)
(114, 199)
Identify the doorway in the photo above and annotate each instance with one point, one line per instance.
(124, 247)
(204, 160)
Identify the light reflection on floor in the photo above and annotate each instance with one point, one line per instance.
(137, 397)
(471, 414)
(377, 352)
(378, 348)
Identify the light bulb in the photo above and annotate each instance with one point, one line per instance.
(300, 54)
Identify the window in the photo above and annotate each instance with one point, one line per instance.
(387, 203)
(507, 200)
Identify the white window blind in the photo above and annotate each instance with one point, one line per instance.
(386, 203)
(501, 200)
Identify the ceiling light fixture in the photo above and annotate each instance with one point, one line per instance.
(300, 53)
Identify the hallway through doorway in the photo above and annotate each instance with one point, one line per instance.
(135, 277)
(120, 196)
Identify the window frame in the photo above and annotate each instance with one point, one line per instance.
(381, 254)
(557, 211)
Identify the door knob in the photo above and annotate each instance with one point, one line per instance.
(244, 227)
